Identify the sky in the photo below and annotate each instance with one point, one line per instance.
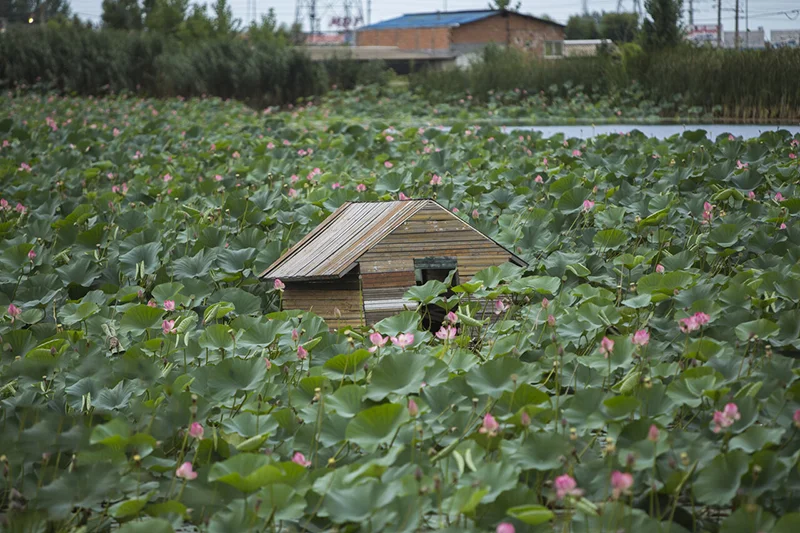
(765, 13)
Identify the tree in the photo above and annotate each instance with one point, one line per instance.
(20, 11)
(166, 16)
(198, 25)
(619, 27)
(582, 27)
(662, 28)
(122, 14)
(504, 5)
(224, 23)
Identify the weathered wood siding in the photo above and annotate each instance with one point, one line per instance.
(387, 270)
(325, 297)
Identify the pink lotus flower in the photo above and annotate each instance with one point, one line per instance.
(361, 187)
(451, 317)
(31, 255)
(544, 161)
(701, 318)
(731, 137)
(268, 363)
(551, 321)
(525, 419)
(796, 418)
(389, 138)
(538, 179)
(660, 268)
(751, 195)
(782, 226)
(388, 164)
(475, 213)
(116, 132)
(4, 205)
(169, 305)
(708, 206)
(286, 142)
(152, 303)
(794, 142)
(778, 197)
(489, 426)
(402, 196)
(24, 167)
(301, 460)
(115, 188)
(792, 156)
(196, 430)
(620, 483)
(336, 185)
(740, 165)
(606, 347)
(500, 307)
(167, 178)
(403, 340)
(688, 324)
(168, 326)
(446, 333)
(295, 335)
(587, 205)
(726, 418)
(302, 353)
(270, 146)
(217, 178)
(292, 193)
(454, 210)
(641, 337)
(413, 408)
(235, 155)
(19, 208)
(436, 180)
(13, 311)
(566, 485)
(653, 433)
(377, 340)
(545, 303)
(505, 527)
(576, 153)
(186, 472)
(278, 285)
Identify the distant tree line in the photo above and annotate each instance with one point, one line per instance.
(661, 28)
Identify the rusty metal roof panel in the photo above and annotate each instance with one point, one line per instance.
(332, 248)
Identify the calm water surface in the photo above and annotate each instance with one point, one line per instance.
(661, 131)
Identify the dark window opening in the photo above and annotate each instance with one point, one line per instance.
(444, 269)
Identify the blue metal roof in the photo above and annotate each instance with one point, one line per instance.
(432, 20)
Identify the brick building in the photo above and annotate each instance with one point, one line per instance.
(460, 32)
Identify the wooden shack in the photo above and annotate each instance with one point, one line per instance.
(355, 267)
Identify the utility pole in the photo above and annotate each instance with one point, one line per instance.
(691, 14)
(747, 22)
(369, 12)
(719, 23)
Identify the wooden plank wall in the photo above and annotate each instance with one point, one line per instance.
(387, 270)
(325, 297)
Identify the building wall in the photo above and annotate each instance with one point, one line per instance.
(387, 270)
(325, 297)
(514, 30)
(406, 39)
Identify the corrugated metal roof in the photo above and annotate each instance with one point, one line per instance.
(432, 20)
(331, 249)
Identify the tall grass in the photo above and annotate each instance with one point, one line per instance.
(90, 62)
(742, 85)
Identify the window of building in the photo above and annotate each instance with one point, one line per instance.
(553, 48)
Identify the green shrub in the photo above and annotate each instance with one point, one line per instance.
(76, 60)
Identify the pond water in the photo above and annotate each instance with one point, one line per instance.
(661, 131)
